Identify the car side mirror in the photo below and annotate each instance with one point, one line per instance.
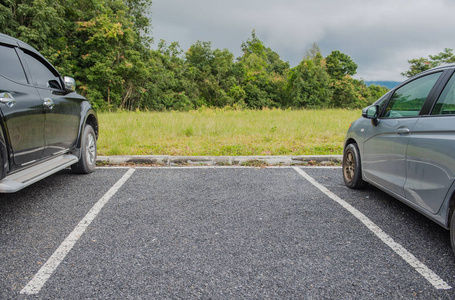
(70, 84)
(371, 112)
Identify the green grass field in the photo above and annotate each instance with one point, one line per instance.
(224, 132)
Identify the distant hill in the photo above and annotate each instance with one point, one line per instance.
(387, 84)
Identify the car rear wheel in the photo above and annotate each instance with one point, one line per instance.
(87, 162)
(352, 170)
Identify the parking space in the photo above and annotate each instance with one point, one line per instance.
(216, 233)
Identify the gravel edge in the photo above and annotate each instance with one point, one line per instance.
(169, 160)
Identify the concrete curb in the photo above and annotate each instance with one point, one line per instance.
(168, 160)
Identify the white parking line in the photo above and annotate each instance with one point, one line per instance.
(41, 277)
(428, 274)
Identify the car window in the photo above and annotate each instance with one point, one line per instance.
(408, 100)
(11, 65)
(446, 102)
(43, 76)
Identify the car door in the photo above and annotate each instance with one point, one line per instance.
(21, 108)
(385, 144)
(430, 159)
(61, 110)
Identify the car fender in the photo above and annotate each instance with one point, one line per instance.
(443, 215)
(352, 136)
(88, 115)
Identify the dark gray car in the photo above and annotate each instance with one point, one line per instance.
(404, 144)
(45, 126)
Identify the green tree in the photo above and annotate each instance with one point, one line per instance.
(254, 46)
(264, 82)
(105, 46)
(340, 65)
(349, 93)
(309, 84)
(169, 86)
(213, 73)
(36, 22)
(102, 43)
(110, 64)
(419, 65)
(313, 51)
(346, 91)
(375, 92)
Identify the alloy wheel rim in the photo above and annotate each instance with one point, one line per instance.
(349, 167)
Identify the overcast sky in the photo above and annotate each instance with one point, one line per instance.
(380, 36)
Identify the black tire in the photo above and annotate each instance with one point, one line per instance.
(2, 166)
(352, 169)
(87, 161)
(3, 160)
(452, 231)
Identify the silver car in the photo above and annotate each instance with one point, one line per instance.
(404, 144)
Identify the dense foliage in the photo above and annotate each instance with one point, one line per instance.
(105, 45)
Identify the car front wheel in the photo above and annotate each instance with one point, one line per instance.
(352, 170)
(87, 161)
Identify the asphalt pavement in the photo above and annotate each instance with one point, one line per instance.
(217, 232)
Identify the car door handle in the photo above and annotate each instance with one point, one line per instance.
(48, 103)
(402, 130)
(7, 99)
